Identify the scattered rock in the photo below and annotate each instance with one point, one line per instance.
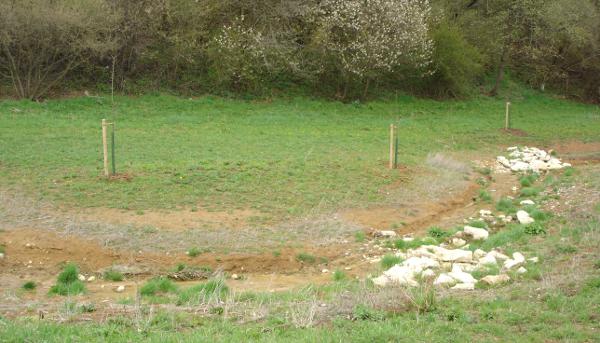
(401, 275)
(81, 277)
(517, 256)
(91, 278)
(325, 271)
(527, 202)
(120, 289)
(458, 242)
(386, 233)
(524, 218)
(476, 233)
(487, 260)
(464, 286)
(478, 253)
(235, 277)
(493, 280)
(1, 255)
(521, 270)
(534, 259)
(428, 274)
(444, 280)
(460, 276)
(530, 159)
(381, 281)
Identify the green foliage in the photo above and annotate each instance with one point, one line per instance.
(339, 275)
(388, 261)
(506, 205)
(159, 285)
(67, 282)
(566, 249)
(530, 192)
(401, 244)
(438, 233)
(360, 236)
(69, 274)
(29, 285)
(113, 275)
(306, 258)
(528, 180)
(364, 312)
(535, 228)
(457, 64)
(485, 196)
(513, 234)
(214, 289)
(194, 252)
(478, 223)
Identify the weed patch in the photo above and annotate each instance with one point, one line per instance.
(67, 282)
(388, 261)
(159, 285)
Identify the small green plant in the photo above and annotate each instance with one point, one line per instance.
(215, 289)
(597, 264)
(478, 224)
(401, 244)
(485, 196)
(363, 312)
(180, 266)
(2, 249)
(485, 171)
(535, 228)
(388, 261)
(158, 285)
(529, 192)
(528, 180)
(67, 282)
(566, 249)
(276, 253)
(113, 275)
(506, 205)
(438, 233)
(339, 275)
(193, 252)
(29, 285)
(538, 214)
(306, 258)
(360, 236)
(569, 172)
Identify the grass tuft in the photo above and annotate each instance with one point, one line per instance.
(306, 258)
(113, 275)
(29, 286)
(388, 261)
(213, 290)
(506, 205)
(67, 282)
(339, 275)
(159, 285)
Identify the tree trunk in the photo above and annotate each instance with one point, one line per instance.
(500, 74)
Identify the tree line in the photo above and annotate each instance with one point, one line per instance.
(341, 49)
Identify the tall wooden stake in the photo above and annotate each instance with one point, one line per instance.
(392, 146)
(105, 147)
(112, 147)
(507, 117)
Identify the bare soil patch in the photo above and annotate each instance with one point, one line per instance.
(179, 220)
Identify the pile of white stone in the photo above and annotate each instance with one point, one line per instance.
(451, 267)
(529, 159)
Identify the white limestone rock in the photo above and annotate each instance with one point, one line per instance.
(527, 202)
(493, 280)
(476, 233)
(524, 217)
(444, 280)
(466, 286)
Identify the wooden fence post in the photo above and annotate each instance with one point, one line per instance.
(105, 147)
(507, 117)
(392, 146)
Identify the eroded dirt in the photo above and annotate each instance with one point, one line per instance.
(180, 220)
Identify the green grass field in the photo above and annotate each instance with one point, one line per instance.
(281, 158)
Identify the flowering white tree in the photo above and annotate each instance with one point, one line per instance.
(366, 38)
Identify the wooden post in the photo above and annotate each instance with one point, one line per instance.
(112, 149)
(507, 117)
(392, 146)
(105, 147)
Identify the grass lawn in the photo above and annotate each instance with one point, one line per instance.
(281, 158)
